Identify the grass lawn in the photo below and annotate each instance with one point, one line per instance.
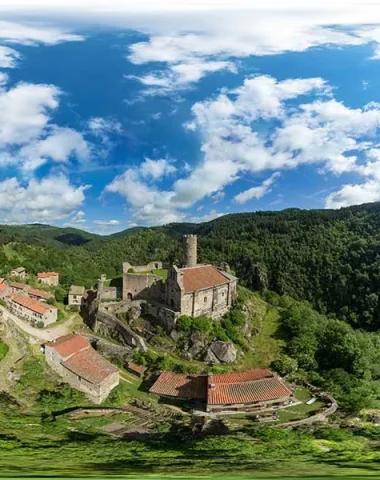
(3, 349)
(266, 347)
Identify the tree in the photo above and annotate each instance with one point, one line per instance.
(285, 365)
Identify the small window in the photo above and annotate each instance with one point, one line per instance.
(205, 299)
(222, 294)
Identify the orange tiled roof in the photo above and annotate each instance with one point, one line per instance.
(19, 286)
(40, 293)
(134, 367)
(89, 365)
(181, 385)
(30, 304)
(245, 391)
(47, 274)
(202, 277)
(238, 377)
(3, 286)
(69, 344)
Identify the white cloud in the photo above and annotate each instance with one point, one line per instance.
(354, 195)
(28, 139)
(107, 223)
(156, 169)
(212, 215)
(59, 146)
(78, 217)
(8, 57)
(257, 192)
(24, 112)
(182, 75)
(48, 199)
(32, 34)
(3, 79)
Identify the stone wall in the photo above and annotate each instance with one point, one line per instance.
(140, 287)
(213, 302)
(108, 293)
(95, 392)
(165, 316)
(142, 268)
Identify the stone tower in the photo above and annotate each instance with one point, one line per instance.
(190, 250)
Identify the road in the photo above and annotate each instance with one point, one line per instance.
(39, 334)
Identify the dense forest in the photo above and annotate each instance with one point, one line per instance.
(331, 258)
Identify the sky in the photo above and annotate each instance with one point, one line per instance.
(117, 114)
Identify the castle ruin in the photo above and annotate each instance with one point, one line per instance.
(193, 290)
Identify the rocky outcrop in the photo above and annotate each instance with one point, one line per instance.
(134, 313)
(221, 352)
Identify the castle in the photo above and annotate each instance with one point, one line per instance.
(193, 290)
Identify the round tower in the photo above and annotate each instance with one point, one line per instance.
(190, 250)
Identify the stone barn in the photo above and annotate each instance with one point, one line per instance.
(74, 359)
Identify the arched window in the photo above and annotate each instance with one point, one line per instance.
(130, 297)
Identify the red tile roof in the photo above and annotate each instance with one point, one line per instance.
(30, 304)
(69, 344)
(181, 385)
(89, 365)
(3, 286)
(47, 274)
(134, 367)
(238, 377)
(19, 286)
(245, 389)
(202, 277)
(40, 293)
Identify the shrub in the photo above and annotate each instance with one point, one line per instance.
(131, 270)
(40, 324)
(184, 323)
(203, 324)
(285, 365)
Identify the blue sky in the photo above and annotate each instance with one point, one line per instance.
(111, 120)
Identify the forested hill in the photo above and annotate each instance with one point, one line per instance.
(328, 257)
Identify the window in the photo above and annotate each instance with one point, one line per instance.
(222, 294)
(205, 300)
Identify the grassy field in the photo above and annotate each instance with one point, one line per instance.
(3, 349)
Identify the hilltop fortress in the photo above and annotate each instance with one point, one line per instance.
(192, 290)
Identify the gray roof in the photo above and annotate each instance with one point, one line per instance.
(19, 270)
(76, 290)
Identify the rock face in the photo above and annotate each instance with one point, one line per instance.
(134, 313)
(221, 352)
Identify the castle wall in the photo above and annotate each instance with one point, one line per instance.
(165, 316)
(142, 268)
(212, 302)
(139, 287)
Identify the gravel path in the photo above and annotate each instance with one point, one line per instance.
(37, 333)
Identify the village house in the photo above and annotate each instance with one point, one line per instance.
(4, 290)
(136, 369)
(73, 358)
(49, 278)
(40, 295)
(251, 390)
(31, 310)
(19, 288)
(75, 295)
(193, 290)
(19, 272)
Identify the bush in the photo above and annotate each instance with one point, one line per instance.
(203, 324)
(285, 365)
(40, 324)
(184, 323)
(131, 270)
(3, 303)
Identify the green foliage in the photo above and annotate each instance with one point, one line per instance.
(3, 349)
(285, 365)
(40, 324)
(3, 303)
(184, 323)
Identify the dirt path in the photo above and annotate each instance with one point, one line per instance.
(39, 334)
(14, 354)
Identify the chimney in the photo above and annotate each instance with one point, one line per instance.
(190, 250)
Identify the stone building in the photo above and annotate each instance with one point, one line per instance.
(75, 296)
(73, 358)
(49, 278)
(31, 310)
(4, 290)
(251, 390)
(40, 295)
(194, 290)
(19, 272)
